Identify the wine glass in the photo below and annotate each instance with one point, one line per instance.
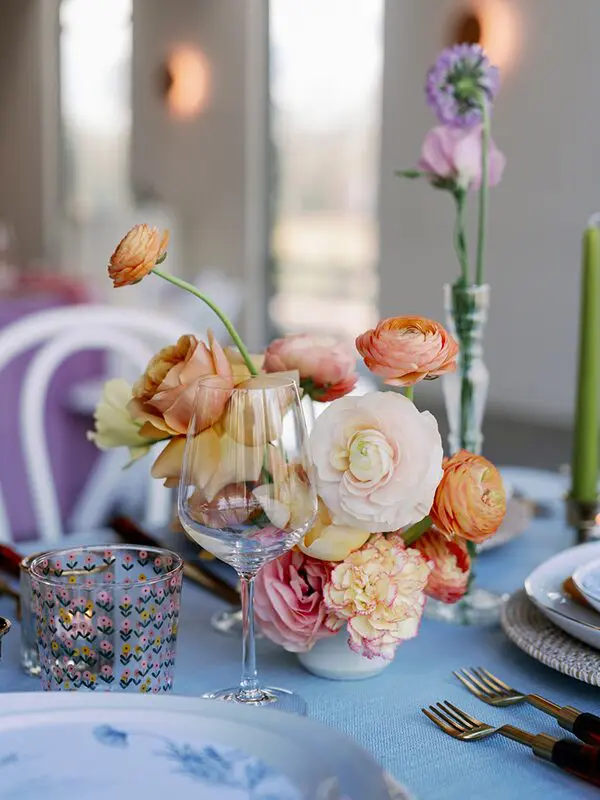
(247, 495)
(229, 621)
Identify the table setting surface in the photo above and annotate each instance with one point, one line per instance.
(383, 714)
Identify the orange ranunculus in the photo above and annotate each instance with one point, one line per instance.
(449, 577)
(470, 501)
(406, 350)
(138, 252)
(164, 396)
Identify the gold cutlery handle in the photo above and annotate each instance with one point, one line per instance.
(547, 706)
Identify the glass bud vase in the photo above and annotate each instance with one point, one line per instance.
(465, 391)
(465, 395)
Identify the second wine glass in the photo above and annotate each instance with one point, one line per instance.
(247, 495)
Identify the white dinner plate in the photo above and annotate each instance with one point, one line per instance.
(544, 588)
(587, 579)
(60, 745)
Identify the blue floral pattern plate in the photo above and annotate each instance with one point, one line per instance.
(60, 745)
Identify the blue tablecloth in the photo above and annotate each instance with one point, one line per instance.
(383, 713)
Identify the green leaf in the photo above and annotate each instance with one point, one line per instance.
(410, 173)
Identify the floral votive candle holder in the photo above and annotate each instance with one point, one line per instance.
(4, 629)
(107, 617)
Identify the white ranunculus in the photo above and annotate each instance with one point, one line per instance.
(378, 461)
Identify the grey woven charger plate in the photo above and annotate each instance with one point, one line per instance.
(530, 630)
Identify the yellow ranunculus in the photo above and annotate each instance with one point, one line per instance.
(114, 425)
(330, 542)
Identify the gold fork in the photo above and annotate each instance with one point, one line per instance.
(578, 759)
(495, 692)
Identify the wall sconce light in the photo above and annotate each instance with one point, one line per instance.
(186, 82)
(495, 25)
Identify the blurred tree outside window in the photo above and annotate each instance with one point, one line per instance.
(325, 95)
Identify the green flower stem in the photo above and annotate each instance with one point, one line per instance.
(224, 319)
(417, 530)
(472, 550)
(460, 236)
(483, 190)
(409, 392)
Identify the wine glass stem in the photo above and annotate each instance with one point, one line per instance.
(249, 690)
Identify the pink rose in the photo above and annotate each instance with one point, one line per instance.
(451, 565)
(407, 350)
(288, 601)
(378, 461)
(327, 366)
(163, 398)
(454, 154)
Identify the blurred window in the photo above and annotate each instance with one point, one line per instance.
(325, 86)
(95, 53)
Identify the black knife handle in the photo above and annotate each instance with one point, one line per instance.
(581, 760)
(587, 728)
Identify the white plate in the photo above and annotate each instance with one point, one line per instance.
(544, 588)
(64, 744)
(587, 579)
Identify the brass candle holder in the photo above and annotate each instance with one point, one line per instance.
(584, 517)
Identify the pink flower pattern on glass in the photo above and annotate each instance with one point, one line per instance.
(74, 650)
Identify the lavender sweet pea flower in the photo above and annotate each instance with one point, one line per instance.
(454, 154)
(457, 84)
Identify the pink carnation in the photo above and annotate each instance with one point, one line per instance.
(379, 591)
(288, 601)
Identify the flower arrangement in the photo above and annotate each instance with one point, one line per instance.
(458, 156)
(394, 518)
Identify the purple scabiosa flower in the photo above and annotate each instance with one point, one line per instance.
(458, 82)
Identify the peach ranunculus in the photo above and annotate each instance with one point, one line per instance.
(449, 577)
(238, 365)
(164, 396)
(327, 366)
(379, 591)
(330, 542)
(288, 601)
(215, 461)
(470, 501)
(136, 255)
(407, 350)
(378, 461)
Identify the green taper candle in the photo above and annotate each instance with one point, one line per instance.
(585, 441)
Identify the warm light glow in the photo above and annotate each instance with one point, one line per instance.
(500, 31)
(188, 73)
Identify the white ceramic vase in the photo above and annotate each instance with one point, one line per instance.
(332, 658)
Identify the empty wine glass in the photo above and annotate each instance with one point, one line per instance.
(247, 495)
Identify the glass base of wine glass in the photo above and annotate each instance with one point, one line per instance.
(269, 697)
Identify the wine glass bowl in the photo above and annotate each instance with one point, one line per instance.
(247, 492)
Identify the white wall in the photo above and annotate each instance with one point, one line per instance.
(547, 121)
(210, 170)
(29, 126)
